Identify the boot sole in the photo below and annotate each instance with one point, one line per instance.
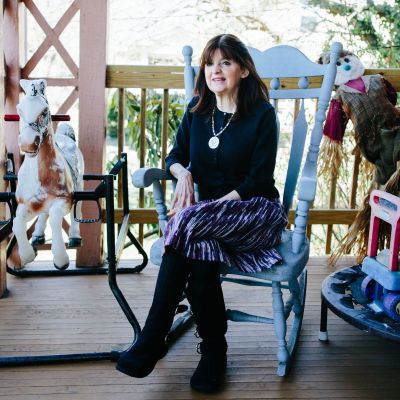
(129, 373)
(133, 374)
(208, 388)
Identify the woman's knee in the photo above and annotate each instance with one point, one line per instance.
(203, 277)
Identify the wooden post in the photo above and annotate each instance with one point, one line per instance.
(164, 133)
(332, 201)
(13, 74)
(92, 105)
(121, 137)
(142, 154)
(3, 265)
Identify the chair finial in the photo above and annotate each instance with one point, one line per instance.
(336, 48)
(187, 52)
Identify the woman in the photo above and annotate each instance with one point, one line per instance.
(227, 144)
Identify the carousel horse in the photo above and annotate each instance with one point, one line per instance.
(51, 171)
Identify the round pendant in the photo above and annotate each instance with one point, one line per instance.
(213, 143)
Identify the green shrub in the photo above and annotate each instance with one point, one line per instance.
(153, 130)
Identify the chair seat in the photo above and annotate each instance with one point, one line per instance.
(291, 266)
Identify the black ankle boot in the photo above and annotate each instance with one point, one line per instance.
(210, 372)
(140, 359)
(206, 298)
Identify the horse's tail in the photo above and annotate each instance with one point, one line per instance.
(66, 130)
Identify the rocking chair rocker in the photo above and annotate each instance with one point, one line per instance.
(276, 64)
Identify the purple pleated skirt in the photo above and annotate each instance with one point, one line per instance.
(241, 234)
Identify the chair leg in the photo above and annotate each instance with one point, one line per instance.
(280, 327)
(297, 289)
(294, 288)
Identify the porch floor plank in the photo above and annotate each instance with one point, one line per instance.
(53, 315)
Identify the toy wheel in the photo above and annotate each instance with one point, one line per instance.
(368, 288)
(391, 305)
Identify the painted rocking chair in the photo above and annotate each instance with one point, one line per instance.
(279, 65)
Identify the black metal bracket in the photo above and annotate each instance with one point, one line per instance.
(9, 197)
(120, 168)
(114, 250)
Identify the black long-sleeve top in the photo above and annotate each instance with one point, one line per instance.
(244, 160)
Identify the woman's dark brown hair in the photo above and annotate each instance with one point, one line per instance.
(251, 88)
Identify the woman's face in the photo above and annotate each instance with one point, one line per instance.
(223, 76)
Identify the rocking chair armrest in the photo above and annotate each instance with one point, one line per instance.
(144, 177)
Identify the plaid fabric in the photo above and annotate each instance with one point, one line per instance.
(376, 125)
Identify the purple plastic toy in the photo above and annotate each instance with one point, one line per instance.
(381, 286)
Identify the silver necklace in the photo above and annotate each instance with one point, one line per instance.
(213, 143)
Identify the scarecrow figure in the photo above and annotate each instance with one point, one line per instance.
(369, 102)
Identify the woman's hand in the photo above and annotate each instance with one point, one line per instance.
(184, 190)
(234, 195)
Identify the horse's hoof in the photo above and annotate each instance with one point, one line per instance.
(74, 242)
(37, 240)
(62, 268)
(27, 258)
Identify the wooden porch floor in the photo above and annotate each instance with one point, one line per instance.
(79, 314)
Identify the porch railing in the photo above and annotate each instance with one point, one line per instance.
(166, 78)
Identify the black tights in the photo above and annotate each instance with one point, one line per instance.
(205, 296)
(201, 282)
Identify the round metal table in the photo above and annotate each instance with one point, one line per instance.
(341, 293)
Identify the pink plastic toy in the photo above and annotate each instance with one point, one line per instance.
(381, 286)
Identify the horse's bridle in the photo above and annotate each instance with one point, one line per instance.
(41, 127)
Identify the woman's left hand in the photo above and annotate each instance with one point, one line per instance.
(184, 191)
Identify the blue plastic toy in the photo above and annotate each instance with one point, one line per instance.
(381, 286)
